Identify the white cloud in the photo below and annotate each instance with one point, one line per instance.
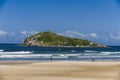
(79, 35)
(3, 33)
(23, 32)
(7, 34)
(28, 33)
(33, 32)
(93, 35)
(72, 34)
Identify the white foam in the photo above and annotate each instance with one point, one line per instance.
(73, 51)
(56, 56)
(28, 54)
(1, 50)
(90, 51)
(73, 54)
(24, 56)
(17, 52)
(98, 56)
(59, 56)
(108, 53)
(33, 56)
(88, 54)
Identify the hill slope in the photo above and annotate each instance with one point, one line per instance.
(51, 39)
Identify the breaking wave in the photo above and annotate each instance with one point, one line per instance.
(1, 50)
(15, 52)
(56, 56)
(90, 51)
(110, 53)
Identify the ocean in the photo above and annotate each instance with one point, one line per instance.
(18, 52)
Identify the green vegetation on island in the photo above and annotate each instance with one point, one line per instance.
(54, 40)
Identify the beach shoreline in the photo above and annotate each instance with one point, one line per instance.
(60, 70)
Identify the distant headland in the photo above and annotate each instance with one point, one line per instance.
(50, 39)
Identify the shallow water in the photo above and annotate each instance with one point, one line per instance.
(18, 52)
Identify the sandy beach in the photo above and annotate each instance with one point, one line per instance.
(60, 70)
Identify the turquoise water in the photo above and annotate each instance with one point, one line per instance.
(18, 52)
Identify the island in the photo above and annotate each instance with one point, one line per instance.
(50, 39)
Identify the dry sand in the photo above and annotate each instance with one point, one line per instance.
(60, 70)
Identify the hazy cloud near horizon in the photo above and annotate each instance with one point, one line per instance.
(20, 36)
(77, 34)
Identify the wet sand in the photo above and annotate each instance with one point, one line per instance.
(60, 70)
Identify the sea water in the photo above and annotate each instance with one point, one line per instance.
(18, 52)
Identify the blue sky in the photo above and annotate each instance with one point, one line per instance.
(95, 20)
